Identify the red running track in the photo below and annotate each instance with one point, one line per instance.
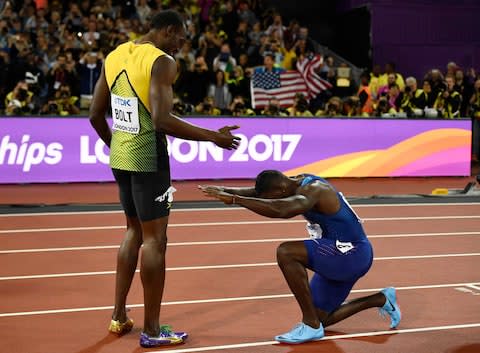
(224, 288)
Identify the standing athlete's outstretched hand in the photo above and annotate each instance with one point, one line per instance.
(225, 139)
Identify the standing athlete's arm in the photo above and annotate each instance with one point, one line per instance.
(164, 71)
(99, 107)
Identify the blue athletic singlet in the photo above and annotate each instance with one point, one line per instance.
(344, 225)
(339, 252)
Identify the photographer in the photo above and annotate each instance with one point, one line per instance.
(63, 103)
(474, 109)
(415, 99)
(448, 101)
(383, 108)
(18, 102)
(239, 107)
(300, 106)
(207, 107)
(273, 108)
(334, 107)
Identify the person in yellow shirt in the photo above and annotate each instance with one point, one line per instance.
(390, 69)
(136, 81)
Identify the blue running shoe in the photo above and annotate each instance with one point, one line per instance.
(165, 338)
(391, 307)
(301, 333)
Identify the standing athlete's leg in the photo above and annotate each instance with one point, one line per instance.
(152, 272)
(292, 258)
(153, 197)
(126, 265)
(127, 255)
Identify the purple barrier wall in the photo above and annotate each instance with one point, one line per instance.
(36, 150)
(421, 35)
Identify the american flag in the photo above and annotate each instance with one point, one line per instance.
(315, 83)
(281, 85)
(284, 85)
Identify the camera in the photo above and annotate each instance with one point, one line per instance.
(273, 109)
(408, 89)
(224, 57)
(22, 94)
(302, 105)
(239, 106)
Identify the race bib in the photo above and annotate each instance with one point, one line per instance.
(314, 230)
(343, 247)
(125, 114)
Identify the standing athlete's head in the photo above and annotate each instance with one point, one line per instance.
(167, 31)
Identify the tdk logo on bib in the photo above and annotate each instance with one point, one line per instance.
(123, 101)
(125, 114)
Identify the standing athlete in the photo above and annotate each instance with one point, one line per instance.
(136, 81)
(338, 251)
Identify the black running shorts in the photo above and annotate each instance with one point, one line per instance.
(146, 195)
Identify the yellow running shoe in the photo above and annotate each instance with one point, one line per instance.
(119, 328)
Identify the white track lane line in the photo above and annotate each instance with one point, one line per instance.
(326, 338)
(228, 242)
(219, 267)
(239, 223)
(222, 300)
(200, 209)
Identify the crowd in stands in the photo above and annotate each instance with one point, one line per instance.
(51, 58)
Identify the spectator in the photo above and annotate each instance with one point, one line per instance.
(224, 61)
(198, 79)
(229, 19)
(364, 94)
(437, 82)
(277, 29)
(238, 83)
(375, 80)
(389, 70)
(89, 68)
(464, 88)
(62, 73)
(268, 65)
(91, 36)
(245, 14)
(187, 54)
(254, 37)
(290, 35)
(429, 96)
(143, 11)
(395, 98)
(220, 92)
(383, 90)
